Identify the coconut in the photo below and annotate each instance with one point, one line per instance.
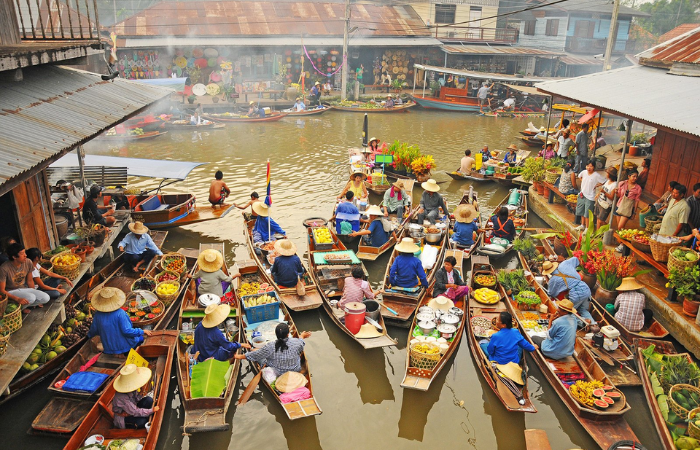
(80, 317)
(45, 340)
(51, 355)
(59, 349)
(34, 367)
(26, 366)
(33, 358)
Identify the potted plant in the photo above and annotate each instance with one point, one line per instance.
(610, 269)
(635, 140)
(421, 167)
(397, 85)
(534, 171)
(191, 99)
(685, 283)
(591, 240)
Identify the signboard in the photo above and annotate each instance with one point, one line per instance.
(135, 358)
(384, 159)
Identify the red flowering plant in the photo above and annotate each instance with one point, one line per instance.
(609, 268)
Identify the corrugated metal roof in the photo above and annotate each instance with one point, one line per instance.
(680, 29)
(642, 93)
(240, 18)
(682, 49)
(57, 108)
(272, 41)
(573, 60)
(480, 75)
(496, 50)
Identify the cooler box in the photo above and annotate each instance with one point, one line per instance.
(85, 382)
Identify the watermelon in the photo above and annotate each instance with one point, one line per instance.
(602, 404)
(598, 392)
(614, 395)
(607, 387)
(608, 399)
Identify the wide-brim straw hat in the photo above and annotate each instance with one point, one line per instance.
(285, 247)
(548, 267)
(317, 84)
(289, 381)
(566, 305)
(512, 147)
(374, 139)
(512, 371)
(398, 184)
(367, 331)
(131, 377)
(108, 299)
(354, 174)
(543, 129)
(441, 302)
(210, 260)
(374, 210)
(465, 213)
(215, 314)
(251, 103)
(138, 228)
(430, 186)
(629, 284)
(407, 246)
(261, 209)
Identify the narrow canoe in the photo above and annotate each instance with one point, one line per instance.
(519, 114)
(436, 103)
(521, 216)
(330, 280)
(233, 119)
(481, 266)
(173, 210)
(421, 378)
(470, 197)
(132, 137)
(358, 109)
(308, 112)
(531, 141)
(187, 125)
(100, 420)
(456, 175)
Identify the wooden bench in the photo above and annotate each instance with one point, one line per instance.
(645, 256)
(553, 190)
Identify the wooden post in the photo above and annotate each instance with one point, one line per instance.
(9, 27)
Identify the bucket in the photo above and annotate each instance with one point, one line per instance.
(514, 198)
(354, 316)
(372, 309)
(61, 225)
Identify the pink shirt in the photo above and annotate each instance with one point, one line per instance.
(355, 290)
(635, 193)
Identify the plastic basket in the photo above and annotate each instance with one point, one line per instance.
(69, 271)
(693, 430)
(675, 263)
(174, 255)
(261, 313)
(12, 322)
(168, 299)
(678, 409)
(318, 246)
(422, 360)
(660, 251)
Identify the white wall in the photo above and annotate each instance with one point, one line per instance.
(540, 39)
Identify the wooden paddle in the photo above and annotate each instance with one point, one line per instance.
(599, 354)
(381, 303)
(245, 396)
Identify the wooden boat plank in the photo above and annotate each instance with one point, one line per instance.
(62, 415)
(536, 440)
(202, 213)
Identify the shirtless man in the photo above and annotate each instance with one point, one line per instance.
(218, 191)
(254, 197)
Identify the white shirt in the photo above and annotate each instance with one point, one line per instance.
(589, 183)
(36, 273)
(483, 92)
(509, 103)
(299, 106)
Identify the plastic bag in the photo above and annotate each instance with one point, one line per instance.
(428, 257)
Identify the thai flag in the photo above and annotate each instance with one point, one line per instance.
(268, 198)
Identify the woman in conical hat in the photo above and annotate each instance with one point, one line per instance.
(356, 184)
(112, 324)
(287, 268)
(209, 341)
(407, 270)
(131, 409)
(281, 356)
(630, 305)
(210, 275)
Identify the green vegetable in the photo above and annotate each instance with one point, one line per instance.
(686, 443)
(663, 406)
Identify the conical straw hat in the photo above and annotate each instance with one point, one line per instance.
(629, 284)
(285, 247)
(131, 377)
(215, 314)
(290, 381)
(407, 246)
(430, 185)
(108, 299)
(210, 260)
(261, 209)
(513, 371)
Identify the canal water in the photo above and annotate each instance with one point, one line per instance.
(359, 391)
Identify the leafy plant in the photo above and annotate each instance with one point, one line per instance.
(397, 84)
(590, 240)
(404, 155)
(610, 269)
(686, 282)
(526, 247)
(513, 280)
(209, 378)
(639, 138)
(534, 169)
(434, 88)
(556, 163)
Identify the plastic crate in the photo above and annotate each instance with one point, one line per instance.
(317, 246)
(85, 382)
(261, 313)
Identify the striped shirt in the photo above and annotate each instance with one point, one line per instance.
(280, 361)
(629, 313)
(355, 290)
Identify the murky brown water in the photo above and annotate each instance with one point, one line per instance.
(359, 391)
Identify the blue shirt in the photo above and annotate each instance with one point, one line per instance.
(464, 233)
(211, 343)
(378, 237)
(116, 332)
(286, 270)
(406, 271)
(135, 244)
(347, 212)
(510, 157)
(503, 346)
(485, 155)
(571, 281)
(260, 233)
(562, 337)
(505, 230)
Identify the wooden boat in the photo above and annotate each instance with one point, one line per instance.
(667, 349)
(288, 296)
(77, 297)
(100, 420)
(172, 309)
(294, 410)
(205, 413)
(187, 125)
(520, 220)
(131, 137)
(531, 141)
(470, 197)
(359, 109)
(481, 266)
(606, 427)
(308, 112)
(448, 101)
(330, 280)
(518, 113)
(421, 378)
(233, 118)
(475, 176)
(160, 211)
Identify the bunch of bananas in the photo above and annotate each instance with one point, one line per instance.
(486, 296)
(257, 301)
(322, 235)
(583, 391)
(248, 289)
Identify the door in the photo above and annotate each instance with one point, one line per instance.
(583, 31)
(510, 67)
(475, 22)
(33, 214)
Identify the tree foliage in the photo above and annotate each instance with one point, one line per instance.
(666, 15)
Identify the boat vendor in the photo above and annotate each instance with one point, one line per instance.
(565, 281)
(507, 344)
(389, 101)
(299, 105)
(52, 286)
(112, 324)
(255, 111)
(407, 270)
(209, 340)
(376, 234)
(509, 104)
(675, 218)
(138, 247)
(282, 355)
(94, 215)
(395, 200)
(218, 190)
(347, 216)
(287, 269)
(16, 281)
(630, 305)
(211, 277)
(561, 336)
(254, 197)
(661, 204)
(547, 151)
(265, 228)
(315, 94)
(356, 287)
(374, 145)
(511, 157)
(465, 225)
(327, 87)
(503, 226)
(449, 282)
(466, 163)
(431, 202)
(356, 185)
(131, 409)
(485, 153)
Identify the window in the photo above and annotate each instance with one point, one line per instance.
(552, 28)
(529, 28)
(445, 13)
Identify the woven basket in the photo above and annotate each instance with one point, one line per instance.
(678, 409)
(12, 322)
(174, 255)
(157, 277)
(693, 429)
(4, 339)
(422, 360)
(660, 251)
(650, 221)
(168, 299)
(675, 263)
(155, 283)
(551, 175)
(3, 305)
(71, 272)
(641, 247)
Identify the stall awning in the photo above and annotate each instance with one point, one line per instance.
(275, 41)
(482, 75)
(135, 167)
(525, 89)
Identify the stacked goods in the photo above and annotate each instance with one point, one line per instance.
(482, 326)
(527, 300)
(12, 318)
(681, 257)
(515, 170)
(583, 392)
(141, 312)
(485, 280)
(174, 262)
(629, 234)
(167, 291)
(257, 301)
(66, 264)
(253, 288)
(572, 198)
(424, 355)
(259, 308)
(322, 236)
(486, 296)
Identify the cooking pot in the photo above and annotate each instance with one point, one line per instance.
(423, 309)
(427, 327)
(450, 319)
(456, 311)
(446, 330)
(433, 238)
(425, 317)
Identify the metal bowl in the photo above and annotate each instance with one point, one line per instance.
(423, 309)
(425, 317)
(450, 319)
(433, 238)
(456, 311)
(258, 342)
(426, 327)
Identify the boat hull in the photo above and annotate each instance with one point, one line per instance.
(272, 118)
(433, 103)
(395, 109)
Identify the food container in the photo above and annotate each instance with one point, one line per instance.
(426, 327)
(446, 330)
(258, 342)
(423, 309)
(95, 439)
(544, 309)
(450, 319)
(334, 303)
(425, 317)
(444, 348)
(205, 300)
(456, 311)
(433, 238)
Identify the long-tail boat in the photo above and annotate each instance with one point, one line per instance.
(519, 218)
(235, 118)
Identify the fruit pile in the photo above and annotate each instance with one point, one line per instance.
(68, 259)
(629, 234)
(485, 280)
(144, 284)
(136, 132)
(582, 391)
(254, 288)
(641, 238)
(481, 326)
(257, 301)
(528, 298)
(167, 276)
(174, 264)
(531, 316)
(684, 255)
(187, 338)
(322, 236)
(426, 348)
(572, 198)
(486, 296)
(166, 289)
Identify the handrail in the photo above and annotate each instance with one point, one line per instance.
(55, 20)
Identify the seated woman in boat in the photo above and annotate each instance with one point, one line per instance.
(389, 101)
(254, 111)
(485, 153)
(395, 200)
(511, 157)
(407, 270)
(138, 247)
(503, 226)
(374, 145)
(565, 281)
(431, 202)
(507, 344)
(466, 163)
(112, 324)
(254, 197)
(131, 408)
(299, 105)
(449, 282)
(209, 340)
(281, 356)
(630, 305)
(561, 337)
(375, 235)
(265, 228)
(356, 185)
(347, 216)
(211, 277)
(287, 268)
(465, 225)
(52, 285)
(356, 287)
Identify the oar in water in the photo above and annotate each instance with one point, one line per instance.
(245, 396)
